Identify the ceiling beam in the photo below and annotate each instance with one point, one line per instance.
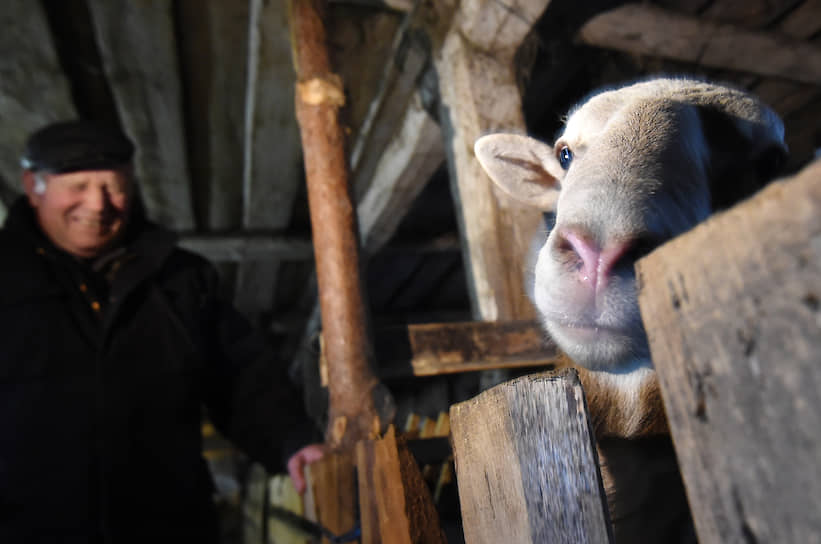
(272, 161)
(647, 30)
(34, 90)
(266, 247)
(138, 48)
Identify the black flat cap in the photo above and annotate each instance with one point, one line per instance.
(70, 146)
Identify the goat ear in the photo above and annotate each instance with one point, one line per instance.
(746, 153)
(521, 166)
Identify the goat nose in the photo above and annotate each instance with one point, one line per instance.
(596, 263)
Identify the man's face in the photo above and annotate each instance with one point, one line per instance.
(81, 212)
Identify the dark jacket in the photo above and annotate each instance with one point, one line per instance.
(104, 375)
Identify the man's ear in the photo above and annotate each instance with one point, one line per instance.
(30, 186)
(522, 167)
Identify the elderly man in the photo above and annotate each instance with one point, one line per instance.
(112, 343)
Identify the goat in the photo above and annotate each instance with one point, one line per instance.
(633, 167)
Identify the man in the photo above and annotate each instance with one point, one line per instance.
(112, 343)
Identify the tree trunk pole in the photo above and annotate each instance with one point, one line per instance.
(352, 385)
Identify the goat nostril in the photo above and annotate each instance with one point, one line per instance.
(574, 249)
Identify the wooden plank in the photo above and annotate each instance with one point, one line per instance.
(387, 109)
(271, 246)
(432, 349)
(401, 172)
(526, 465)
(272, 164)
(479, 95)
(395, 504)
(214, 36)
(330, 497)
(752, 14)
(785, 96)
(647, 30)
(248, 247)
(138, 50)
(34, 90)
(733, 317)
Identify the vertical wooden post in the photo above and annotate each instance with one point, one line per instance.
(479, 95)
(526, 464)
(319, 95)
(733, 317)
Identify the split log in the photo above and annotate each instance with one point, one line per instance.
(647, 30)
(733, 317)
(526, 464)
(143, 72)
(479, 95)
(354, 411)
(395, 503)
(330, 498)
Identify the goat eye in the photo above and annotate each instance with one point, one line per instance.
(565, 157)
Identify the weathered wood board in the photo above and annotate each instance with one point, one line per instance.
(138, 49)
(395, 504)
(479, 95)
(733, 314)
(433, 349)
(330, 497)
(647, 30)
(526, 466)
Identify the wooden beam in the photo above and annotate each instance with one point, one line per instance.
(647, 30)
(732, 313)
(214, 36)
(433, 349)
(526, 464)
(330, 497)
(479, 95)
(395, 504)
(263, 247)
(138, 49)
(34, 90)
(401, 172)
(248, 247)
(358, 403)
(405, 63)
(272, 172)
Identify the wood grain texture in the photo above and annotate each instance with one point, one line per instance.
(330, 498)
(215, 34)
(138, 49)
(479, 95)
(646, 30)
(733, 317)
(353, 386)
(441, 348)
(395, 503)
(526, 465)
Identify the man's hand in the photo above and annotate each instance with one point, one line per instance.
(297, 462)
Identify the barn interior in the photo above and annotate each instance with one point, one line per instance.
(206, 91)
